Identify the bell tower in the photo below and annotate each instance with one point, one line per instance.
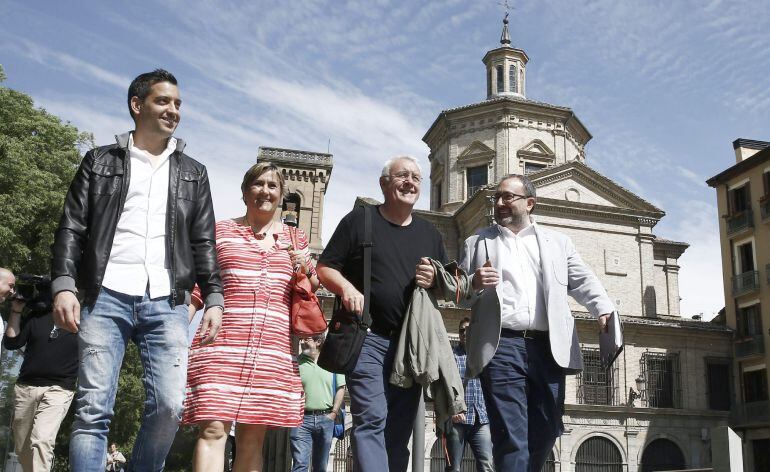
(506, 68)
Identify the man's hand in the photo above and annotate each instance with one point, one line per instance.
(66, 311)
(212, 321)
(425, 273)
(604, 322)
(352, 299)
(458, 418)
(485, 276)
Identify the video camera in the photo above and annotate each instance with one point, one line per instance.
(35, 290)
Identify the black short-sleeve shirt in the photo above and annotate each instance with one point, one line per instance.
(396, 251)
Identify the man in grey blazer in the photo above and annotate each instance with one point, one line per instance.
(522, 340)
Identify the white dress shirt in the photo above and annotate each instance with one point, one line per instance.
(523, 303)
(138, 256)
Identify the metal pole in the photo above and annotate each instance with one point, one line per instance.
(418, 438)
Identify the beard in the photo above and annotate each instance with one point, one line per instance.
(514, 219)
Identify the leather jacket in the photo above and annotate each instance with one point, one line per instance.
(94, 204)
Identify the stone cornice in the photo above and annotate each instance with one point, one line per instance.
(683, 323)
(520, 107)
(579, 210)
(295, 157)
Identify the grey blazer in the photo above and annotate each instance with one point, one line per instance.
(564, 273)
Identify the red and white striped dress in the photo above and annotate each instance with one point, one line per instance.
(248, 374)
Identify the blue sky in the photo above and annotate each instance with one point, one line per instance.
(664, 87)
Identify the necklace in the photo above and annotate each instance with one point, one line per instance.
(259, 236)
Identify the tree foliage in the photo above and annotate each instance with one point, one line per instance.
(39, 155)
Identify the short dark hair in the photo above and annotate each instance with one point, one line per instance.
(529, 187)
(463, 321)
(141, 85)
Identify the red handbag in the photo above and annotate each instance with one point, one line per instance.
(307, 318)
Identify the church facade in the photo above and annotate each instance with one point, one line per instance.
(656, 407)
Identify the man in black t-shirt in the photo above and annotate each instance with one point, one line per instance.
(383, 414)
(46, 383)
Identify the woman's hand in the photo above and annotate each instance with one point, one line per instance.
(298, 260)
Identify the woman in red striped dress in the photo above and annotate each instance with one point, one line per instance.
(248, 375)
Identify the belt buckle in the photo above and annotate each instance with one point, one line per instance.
(526, 336)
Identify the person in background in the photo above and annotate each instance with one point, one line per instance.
(473, 426)
(115, 459)
(248, 376)
(7, 288)
(46, 382)
(312, 440)
(7, 284)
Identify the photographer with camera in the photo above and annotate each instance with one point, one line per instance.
(46, 382)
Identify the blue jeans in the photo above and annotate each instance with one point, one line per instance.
(383, 414)
(477, 435)
(314, 434)
(524, 393)
(160, 332)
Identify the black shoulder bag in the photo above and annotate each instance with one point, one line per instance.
(347, 330)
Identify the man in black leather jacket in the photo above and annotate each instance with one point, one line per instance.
(135, 236)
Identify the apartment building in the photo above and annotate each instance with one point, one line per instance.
(743, 201)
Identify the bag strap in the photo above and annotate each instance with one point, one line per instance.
(367, 245)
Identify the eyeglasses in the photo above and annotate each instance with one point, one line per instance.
(405, 174)
(508, 197)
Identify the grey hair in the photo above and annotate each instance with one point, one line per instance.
(389, 163)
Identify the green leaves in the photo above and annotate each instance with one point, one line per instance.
(39, 155)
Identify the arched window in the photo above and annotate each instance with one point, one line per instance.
(500, 76)
(598, 454)
(290, 204)
(512, 83)
(662, 454)
(438, 458)
(550, 464)
(343, 454)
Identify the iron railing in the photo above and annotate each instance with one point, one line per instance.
(596, 385)
(739, 221)
(746, 282)
(764, 207)
(662, 376)
(750, 413)
(750, 345)
(598, 454)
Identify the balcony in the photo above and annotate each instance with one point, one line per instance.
(739, 221)
(750, 413)
(764, 207)
(749, 346)
(746, 282)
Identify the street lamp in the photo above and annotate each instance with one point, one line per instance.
(633, 395)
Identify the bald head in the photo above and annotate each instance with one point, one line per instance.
(7, 283)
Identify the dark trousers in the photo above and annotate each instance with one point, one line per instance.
(524, 392)
(383, 414)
